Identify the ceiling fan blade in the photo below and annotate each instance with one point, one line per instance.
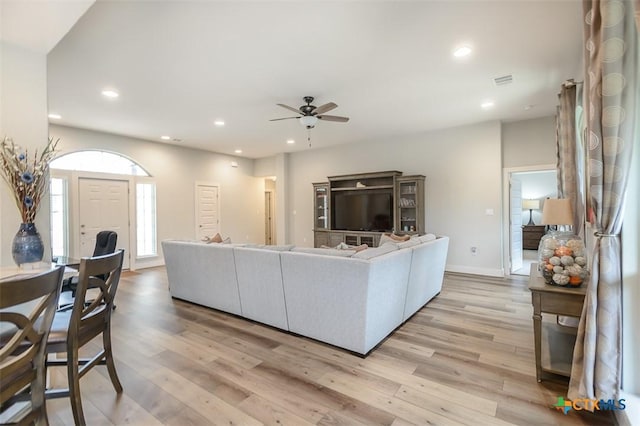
(325, 108)
(296, 110)
(333, 118)
(285, 118)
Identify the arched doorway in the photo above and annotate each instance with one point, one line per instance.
(96, 190)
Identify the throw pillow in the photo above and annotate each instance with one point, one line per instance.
(377, 251)
(215, 239)
(393, 238)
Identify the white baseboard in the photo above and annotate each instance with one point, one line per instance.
(475, 271)
(152, 263)
(631, 414)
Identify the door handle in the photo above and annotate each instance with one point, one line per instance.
(82, 233)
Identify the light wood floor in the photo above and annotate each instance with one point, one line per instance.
(465, 358)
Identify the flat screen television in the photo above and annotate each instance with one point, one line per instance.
(370, 210)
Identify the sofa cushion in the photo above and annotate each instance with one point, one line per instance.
(409, 243)
(376, 251)
(345, 246)
(325, 252)
(270, 247)
(286, 247)
(426, 238)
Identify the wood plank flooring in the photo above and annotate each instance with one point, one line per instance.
(464, 359)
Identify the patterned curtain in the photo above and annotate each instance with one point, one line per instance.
(570, 168)
(611, 78)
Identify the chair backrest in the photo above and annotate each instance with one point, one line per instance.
(105, 243)
(92, 311)
(27, 307)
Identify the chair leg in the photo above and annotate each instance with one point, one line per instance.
(37, 396)
(111, 366)
(74, 386)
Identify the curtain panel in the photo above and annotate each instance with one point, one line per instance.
(611, 78)
(570, 162)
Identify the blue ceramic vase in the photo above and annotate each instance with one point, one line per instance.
(27, 245)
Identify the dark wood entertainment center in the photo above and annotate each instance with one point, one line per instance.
(406, 207)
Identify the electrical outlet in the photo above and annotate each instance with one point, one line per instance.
(474, 251)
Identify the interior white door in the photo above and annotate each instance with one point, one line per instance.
(207, 211)
(268, 223)
(104, 205)
(515, 222)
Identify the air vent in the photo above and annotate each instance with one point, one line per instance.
(503, 81)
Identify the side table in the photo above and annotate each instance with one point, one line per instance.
(553, 342)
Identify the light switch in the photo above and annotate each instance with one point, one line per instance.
(488, 212)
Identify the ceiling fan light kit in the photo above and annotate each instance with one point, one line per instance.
(308, 121)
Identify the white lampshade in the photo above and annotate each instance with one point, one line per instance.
(308, 121)
(531, 204)
(557, 211)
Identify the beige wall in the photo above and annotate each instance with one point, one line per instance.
(176, 170)
(529, 142)
(23, 117)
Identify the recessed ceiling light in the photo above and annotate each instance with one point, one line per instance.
(462, 51)
(291, 141)
(166, 138)
(219, 123)
(55, 116)
(487, 104)
(238, 151)
(110, 93)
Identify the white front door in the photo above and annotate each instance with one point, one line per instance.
(515, 222)
(207, 211)
(103, 206)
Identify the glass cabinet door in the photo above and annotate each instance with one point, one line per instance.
(321, 205)
(408, 205)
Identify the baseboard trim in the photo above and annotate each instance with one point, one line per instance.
(150, 263)
(475, 271)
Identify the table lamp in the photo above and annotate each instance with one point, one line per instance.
(561, 255)
(531, 205)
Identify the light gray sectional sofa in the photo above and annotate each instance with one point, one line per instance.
(347, 299)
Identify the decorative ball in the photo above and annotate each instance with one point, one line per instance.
(555, 260)
(581, 260)
(560, 279)
(575, 280)
(566, 260)
(558, 269)
(563, 251)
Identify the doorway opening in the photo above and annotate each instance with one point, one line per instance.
(526, 189)
(270, 211)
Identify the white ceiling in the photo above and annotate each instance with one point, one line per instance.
(38, 25)
(178, 66)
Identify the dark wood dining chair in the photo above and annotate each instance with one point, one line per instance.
(27, 307)
(90, 317)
